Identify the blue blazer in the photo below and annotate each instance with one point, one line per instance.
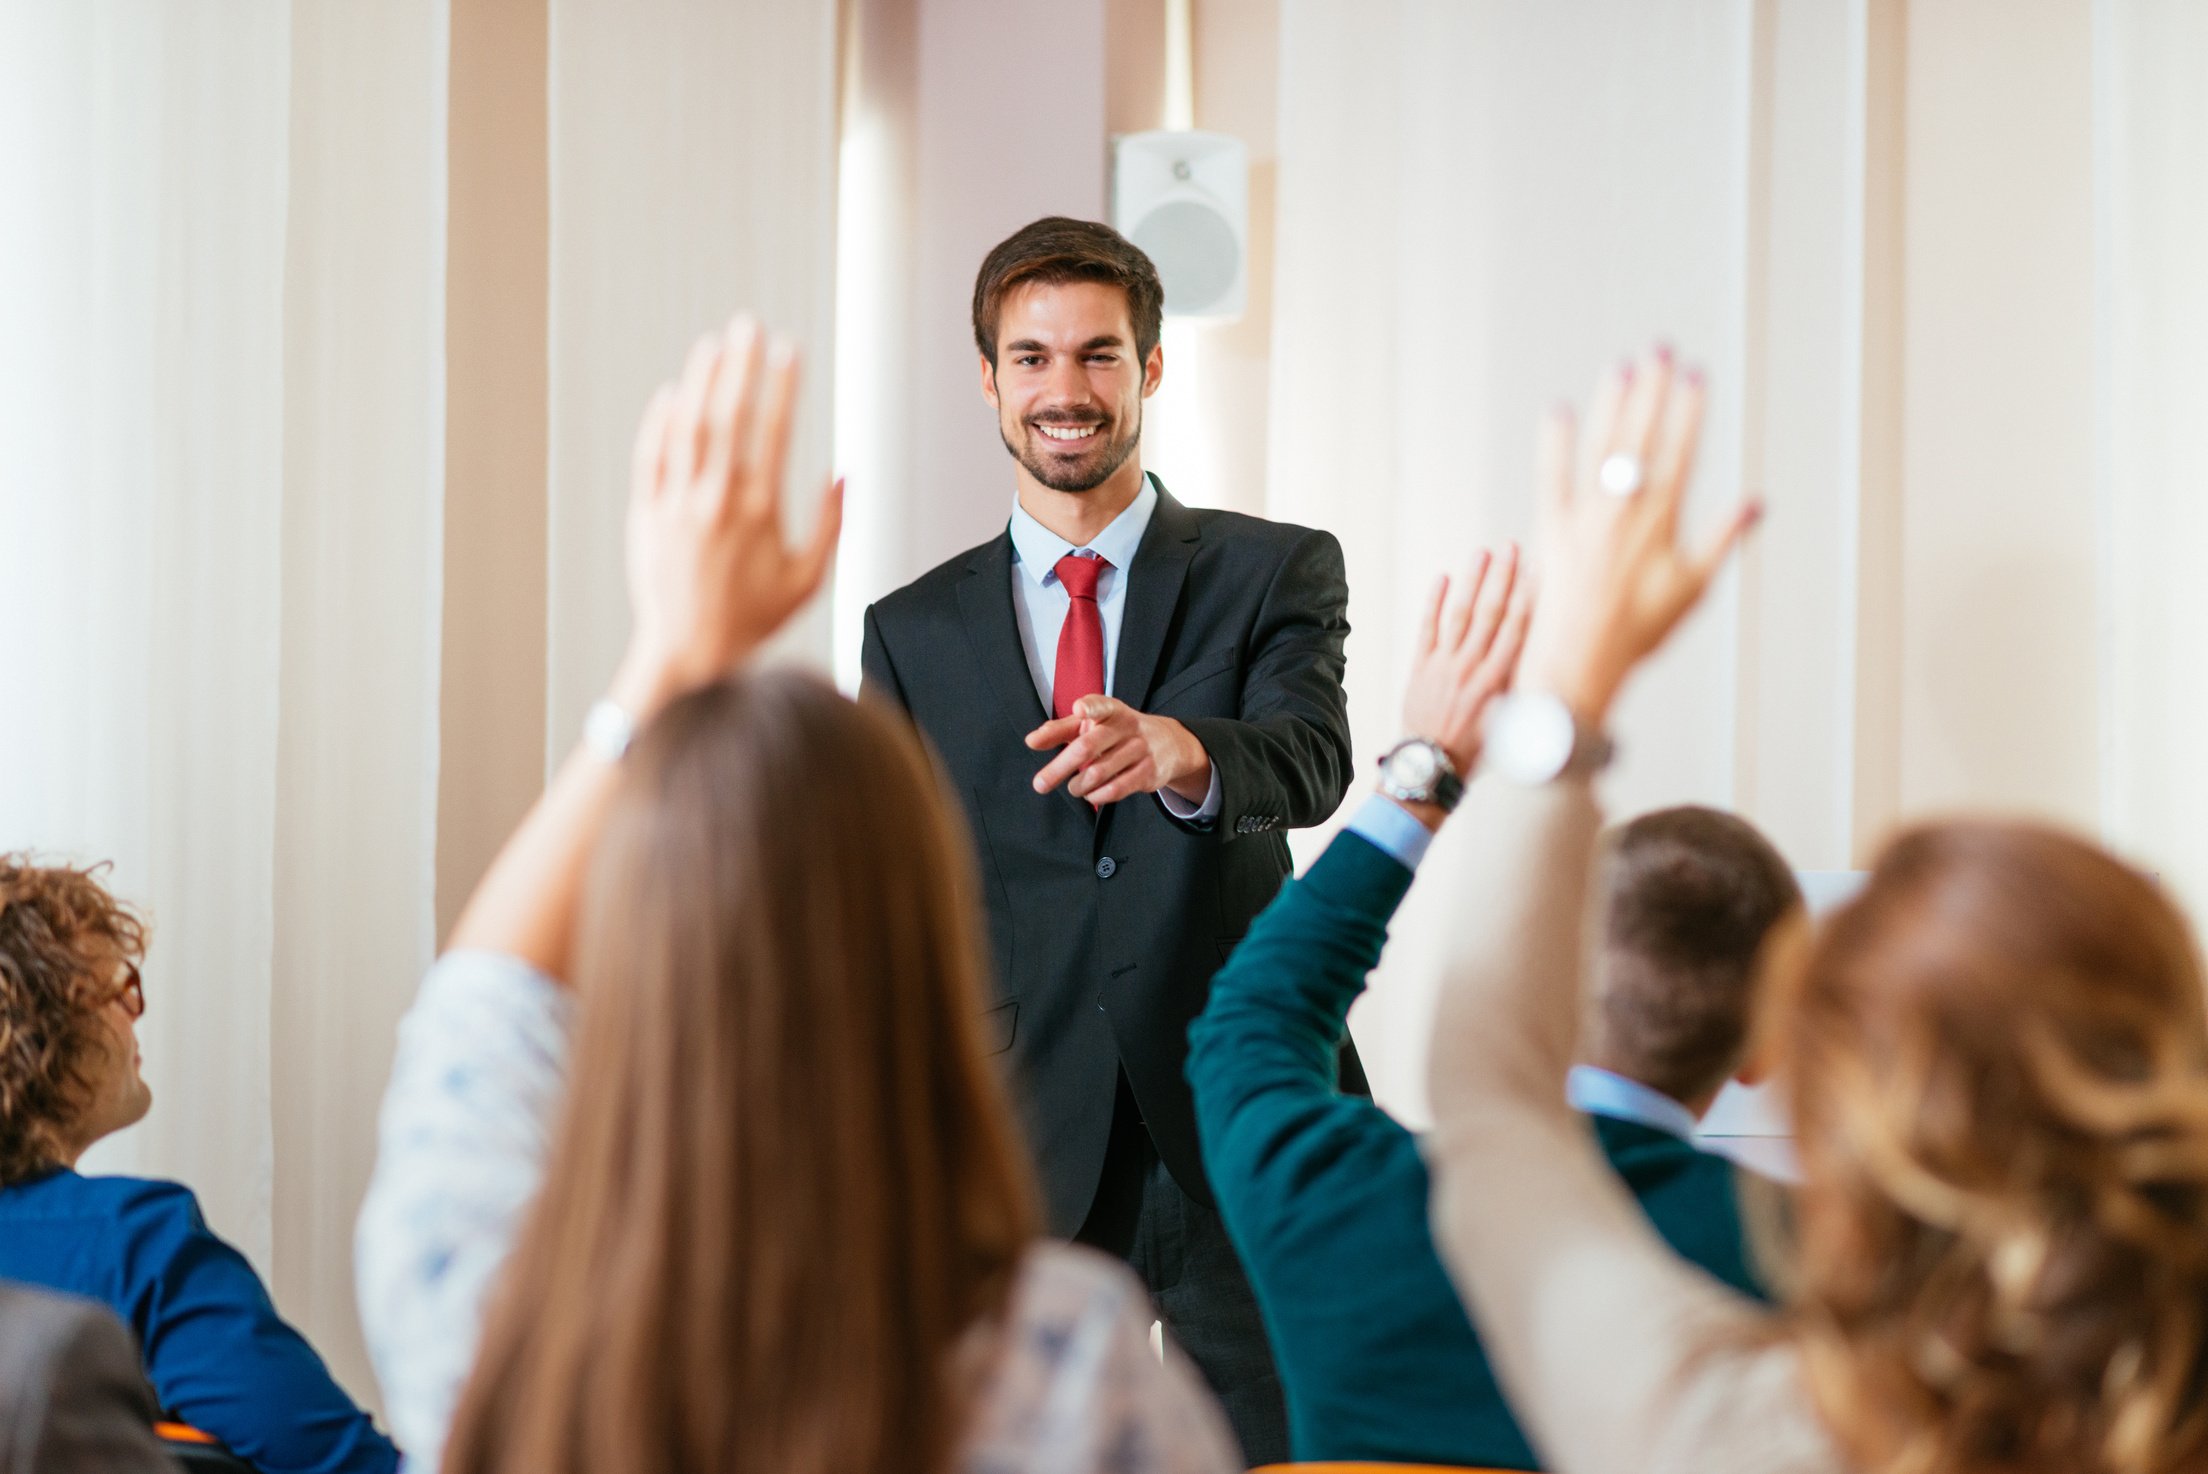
(216, 1351)
(1325, 1194)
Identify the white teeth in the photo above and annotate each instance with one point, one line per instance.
(1067, 432)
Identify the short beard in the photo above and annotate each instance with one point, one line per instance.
(1077, 477)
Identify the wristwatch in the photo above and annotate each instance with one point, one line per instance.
(608, 730)
(1533, 738)
(1417, 771)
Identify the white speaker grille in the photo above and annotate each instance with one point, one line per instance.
(1197, 254)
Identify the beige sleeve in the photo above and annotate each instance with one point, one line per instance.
(1612, 1350)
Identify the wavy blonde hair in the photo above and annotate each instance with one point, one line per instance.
(1999, 1076)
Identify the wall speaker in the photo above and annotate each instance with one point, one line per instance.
(1184, 198)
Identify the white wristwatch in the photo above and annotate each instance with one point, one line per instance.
(1533, 738)
(608, 730)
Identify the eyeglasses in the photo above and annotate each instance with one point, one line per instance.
(133, 993)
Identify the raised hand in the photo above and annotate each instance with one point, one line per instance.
(1467, 653)
(710, 574)
(1614, 580)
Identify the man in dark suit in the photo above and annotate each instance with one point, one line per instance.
(1134, 701)
(72, 1398)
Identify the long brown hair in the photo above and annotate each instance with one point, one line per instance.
(787, 1182)
(1999, 1075)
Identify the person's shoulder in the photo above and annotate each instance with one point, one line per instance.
(933, 588)
(119, 1199)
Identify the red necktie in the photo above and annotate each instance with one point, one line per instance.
(1081, 640)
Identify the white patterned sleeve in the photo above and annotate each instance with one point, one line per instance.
(461, 1142)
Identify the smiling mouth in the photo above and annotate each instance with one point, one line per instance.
(1073, 437)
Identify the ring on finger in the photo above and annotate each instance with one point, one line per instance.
(1622, 474)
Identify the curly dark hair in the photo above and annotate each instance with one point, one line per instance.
(61, 934)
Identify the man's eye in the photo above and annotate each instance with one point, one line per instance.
(1028, 360)
(1103, 358)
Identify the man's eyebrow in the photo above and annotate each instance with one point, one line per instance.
(1031, 345)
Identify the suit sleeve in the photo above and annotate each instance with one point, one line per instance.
(1285, 762)
(99, 1412)
(877, 677)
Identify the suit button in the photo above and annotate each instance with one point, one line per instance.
(1106, 868)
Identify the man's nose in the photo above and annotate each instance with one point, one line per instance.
(1066, 386)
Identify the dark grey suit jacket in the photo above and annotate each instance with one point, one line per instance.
(72, 1397)
(1106, 929)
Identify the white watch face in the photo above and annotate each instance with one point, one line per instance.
(1532, 738)
(1413, 767)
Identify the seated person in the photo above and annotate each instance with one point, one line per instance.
(217, 1353)
(72, 1400)
(693, 1156)
(1325, 1194)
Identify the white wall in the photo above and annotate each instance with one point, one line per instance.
(1941, 262)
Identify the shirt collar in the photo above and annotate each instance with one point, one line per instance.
(1038, 549)
(1599, 1092)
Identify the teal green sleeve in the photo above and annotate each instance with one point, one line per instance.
(1325, 1194)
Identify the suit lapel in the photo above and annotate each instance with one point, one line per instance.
(985, 602)
(1153, 595)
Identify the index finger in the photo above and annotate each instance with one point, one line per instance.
(1055, 733)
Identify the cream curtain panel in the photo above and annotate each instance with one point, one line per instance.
(1943, 264)
(223, 320)
(220, 483)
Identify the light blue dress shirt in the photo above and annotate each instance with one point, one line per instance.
(1600, 1092)
(1040, 601)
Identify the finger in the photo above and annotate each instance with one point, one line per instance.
(1459, 615)
(686, 440)
(648, 462)
(1099, 708)
(777, 412)
(1643, 410)
(1558, 432)
(1429, 624)
(1602, 424)
(820, 548)
(724, 403)
(1077, 755)
(1721, 544)
(1054, 733)
(1141, 778)
(1501, 664)
(1671, 461)
(1494, 599)
(1108, 765)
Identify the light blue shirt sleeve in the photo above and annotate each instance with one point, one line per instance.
(1201, 814)
(461, 1145)
(1390, 827)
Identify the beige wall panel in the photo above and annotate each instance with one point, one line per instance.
(1999, 652)
(493, 678)
(692, 173)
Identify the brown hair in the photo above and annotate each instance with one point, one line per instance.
(1998, 1070)
(61, 935)
(1691, 896)
(1057, 249)
(786, 1182)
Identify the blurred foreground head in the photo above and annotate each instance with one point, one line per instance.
(1999, 1077)
(787, 1180)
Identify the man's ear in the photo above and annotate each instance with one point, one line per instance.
(1153, 370)
(989, 382)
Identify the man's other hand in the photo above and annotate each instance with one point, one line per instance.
(1113, 752)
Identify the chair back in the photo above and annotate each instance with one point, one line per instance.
(197, 1451)
(1357, 1468)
